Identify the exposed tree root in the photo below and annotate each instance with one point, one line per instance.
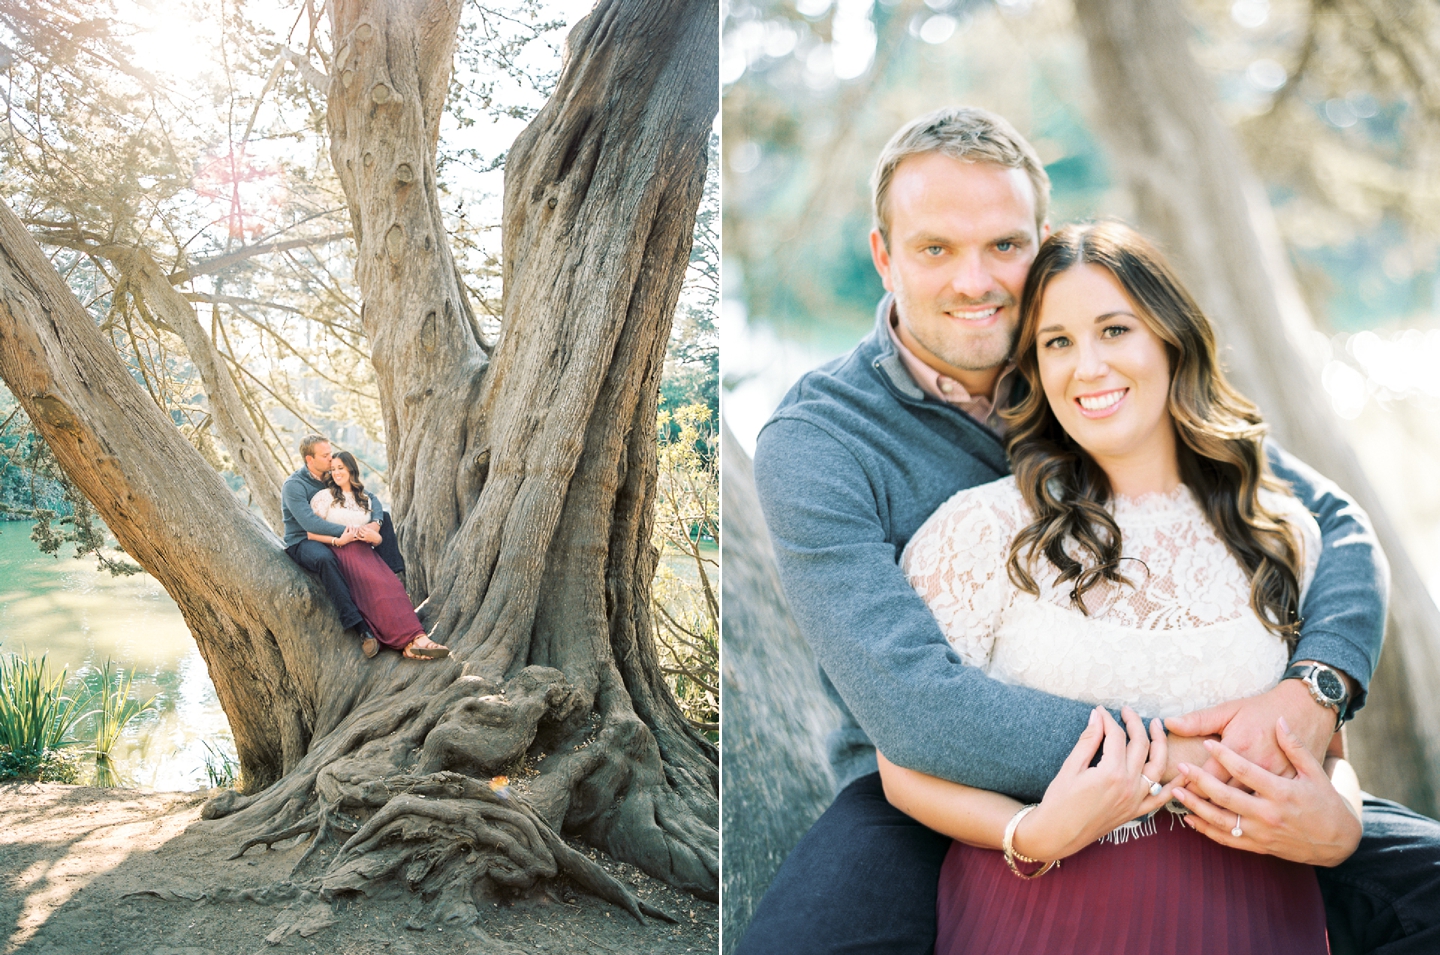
(457, 836)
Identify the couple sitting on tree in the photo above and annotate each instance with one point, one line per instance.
(1149, 553)
(340, 531)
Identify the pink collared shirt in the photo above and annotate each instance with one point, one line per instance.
(947, 389)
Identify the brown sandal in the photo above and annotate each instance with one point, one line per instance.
(436, 652)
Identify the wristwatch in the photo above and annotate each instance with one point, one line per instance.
(1326, 686)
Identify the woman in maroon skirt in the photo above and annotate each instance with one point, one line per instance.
(377, 592)
(1140, 554)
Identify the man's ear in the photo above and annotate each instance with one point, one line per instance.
(881, 257)
(1045, 232)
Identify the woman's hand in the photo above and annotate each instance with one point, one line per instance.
(1304, 819)
(351, 533)
(1085, 802)
(369, 533)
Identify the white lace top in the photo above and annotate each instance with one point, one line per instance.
(349, 514)
(1184, 637)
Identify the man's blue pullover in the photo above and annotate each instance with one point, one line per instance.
(851, 464)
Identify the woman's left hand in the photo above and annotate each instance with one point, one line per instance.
(369, 533)
(1304, 819)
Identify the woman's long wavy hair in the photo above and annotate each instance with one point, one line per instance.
(362, 500)
(1221, 446)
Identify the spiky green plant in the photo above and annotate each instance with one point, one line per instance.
(221, 768)
(114, 709)
(36, 715)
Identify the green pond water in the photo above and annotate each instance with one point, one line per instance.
(78, 616)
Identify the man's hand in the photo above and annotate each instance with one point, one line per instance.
(1189, 750)
(1304, 819)
(1247, 726)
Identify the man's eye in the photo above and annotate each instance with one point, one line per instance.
(1004, 245)
(934, 249)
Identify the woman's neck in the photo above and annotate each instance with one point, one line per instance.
(1153, 472)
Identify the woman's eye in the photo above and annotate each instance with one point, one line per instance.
(1059, 341)
(1114, 331)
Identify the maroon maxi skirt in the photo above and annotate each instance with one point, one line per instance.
(379, 595)
(1170, 893)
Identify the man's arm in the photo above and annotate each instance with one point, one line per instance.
(293, 496)
(1344, 611)
(377, 510)
(1343, 626)
(877, 641)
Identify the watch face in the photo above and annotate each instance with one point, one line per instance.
(1330, 685)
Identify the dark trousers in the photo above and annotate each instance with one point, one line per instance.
(320, 560)
(863, 879)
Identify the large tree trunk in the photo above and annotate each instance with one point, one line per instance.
(523, 485)
(775, 715)
(1194, 191)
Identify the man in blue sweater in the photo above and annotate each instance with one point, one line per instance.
(318, 557)
(858, 455)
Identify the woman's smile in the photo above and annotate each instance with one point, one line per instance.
(1103, 404)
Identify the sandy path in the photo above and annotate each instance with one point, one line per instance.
(70, 856)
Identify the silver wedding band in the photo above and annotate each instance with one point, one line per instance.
(1236, 831)
(1154, 786)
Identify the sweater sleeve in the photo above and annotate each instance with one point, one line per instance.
(1343, 614)
(293, 495)
(878, 643)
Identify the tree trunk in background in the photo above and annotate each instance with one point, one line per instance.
(774, 716)
(1194, 193)
(523, 487)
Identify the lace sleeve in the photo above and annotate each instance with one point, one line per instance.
(956, 562)
(1305, 530)
(321, 502)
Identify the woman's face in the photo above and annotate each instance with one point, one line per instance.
(340, 474)
(1106, 376)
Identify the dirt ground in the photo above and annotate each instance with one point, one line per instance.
(122, 872)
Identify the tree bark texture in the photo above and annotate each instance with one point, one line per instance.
(524, 479)
(774, 714)
(523, 487)
(1195, 193)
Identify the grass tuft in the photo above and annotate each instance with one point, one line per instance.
(37, 718)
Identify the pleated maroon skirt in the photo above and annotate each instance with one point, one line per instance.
(1170, 893)
(379, 595)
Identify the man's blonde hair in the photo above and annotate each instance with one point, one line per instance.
(968, 134)
(308, 443)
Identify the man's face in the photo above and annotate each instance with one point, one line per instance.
(318, 460)
(962, 237)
